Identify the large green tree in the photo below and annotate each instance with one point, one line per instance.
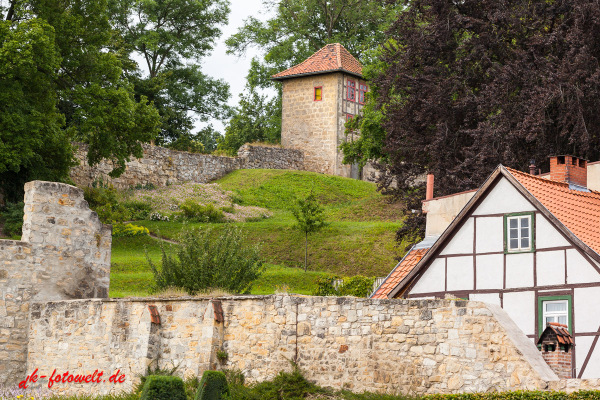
(172, 37)
(297, 30)
(33, 144)
(73, 90)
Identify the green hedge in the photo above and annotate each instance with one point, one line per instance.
(213, 386)
(161, 387)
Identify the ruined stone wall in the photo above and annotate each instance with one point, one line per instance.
(408, 346)
(64, 253)
(161, 166)
(311, 126)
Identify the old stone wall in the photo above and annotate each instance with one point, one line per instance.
(407, 346)
(161, 166)
(64, 254)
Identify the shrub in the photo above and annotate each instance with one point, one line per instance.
(129, 230)
(212, 386)
(162, 387)
(193, 211)
(156, 216)
(206, 260)
(138, 210)
(105, 202)
(358, 286)
(11, 216)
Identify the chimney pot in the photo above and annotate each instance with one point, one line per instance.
(429, 192)
(532, 167)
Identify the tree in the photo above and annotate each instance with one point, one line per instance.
(208, 260)
(298, 29)
(468, 85)
(256, 119)
(172, 36)
(33, 144)
(473, 84)
(63, 81)
(310, 219)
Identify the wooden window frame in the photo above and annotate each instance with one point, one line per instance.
(349, 116)
(531, 249)
(542, 299)
(315, 93)
(353, 90)
(363, 92)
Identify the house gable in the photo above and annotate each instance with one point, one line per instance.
(474, 237)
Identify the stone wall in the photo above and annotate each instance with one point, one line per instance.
(161, 166)
(64, 254)
(407, 346)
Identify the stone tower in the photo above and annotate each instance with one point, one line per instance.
(319, 96)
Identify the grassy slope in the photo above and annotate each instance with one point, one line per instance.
(358, 240)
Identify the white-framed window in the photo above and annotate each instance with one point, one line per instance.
(555, 311)
(519, 231)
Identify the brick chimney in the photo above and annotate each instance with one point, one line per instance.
(556, 345)
(569, 169)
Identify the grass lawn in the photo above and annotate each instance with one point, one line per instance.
(358, 240)
(131, 275)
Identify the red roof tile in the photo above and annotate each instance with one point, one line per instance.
(333, 57)
(577, 210)
(562, 333)
(406, 265)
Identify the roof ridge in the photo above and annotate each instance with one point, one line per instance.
(546, 180)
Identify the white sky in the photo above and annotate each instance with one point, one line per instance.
(231, 68)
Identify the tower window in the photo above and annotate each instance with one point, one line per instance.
(318, 93)
(362, 90)
(351, 90)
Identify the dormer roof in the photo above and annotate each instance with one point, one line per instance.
(331, 58)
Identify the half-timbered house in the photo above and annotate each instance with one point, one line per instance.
(528, 243)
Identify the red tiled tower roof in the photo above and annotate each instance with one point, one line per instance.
(331, 58)
(577, 210)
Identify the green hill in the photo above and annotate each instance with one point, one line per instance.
(359, 240)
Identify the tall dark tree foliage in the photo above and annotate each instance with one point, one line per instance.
(472, 84)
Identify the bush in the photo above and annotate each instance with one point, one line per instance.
(129, 230)
(193, 211)
(205, 262)
(11, 216)
(138, 210)
(357, 286)
(212, 386)
(105, 202)
(161, 387)
(285, 386)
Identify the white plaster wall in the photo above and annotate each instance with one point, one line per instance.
(592, 370)
(520, 306)
(593, 176)
(587, 309)
(582, 347)
(519, 270)
(503, 198)
(490, 234)
(550, 268)
(546, 235)
(489, 298)
(460, 273)
(579, 270)
(462, 242)
(433, 279)
(490, 271)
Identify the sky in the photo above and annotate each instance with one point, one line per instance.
(231, 68)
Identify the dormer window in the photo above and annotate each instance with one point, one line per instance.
(518, 233)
